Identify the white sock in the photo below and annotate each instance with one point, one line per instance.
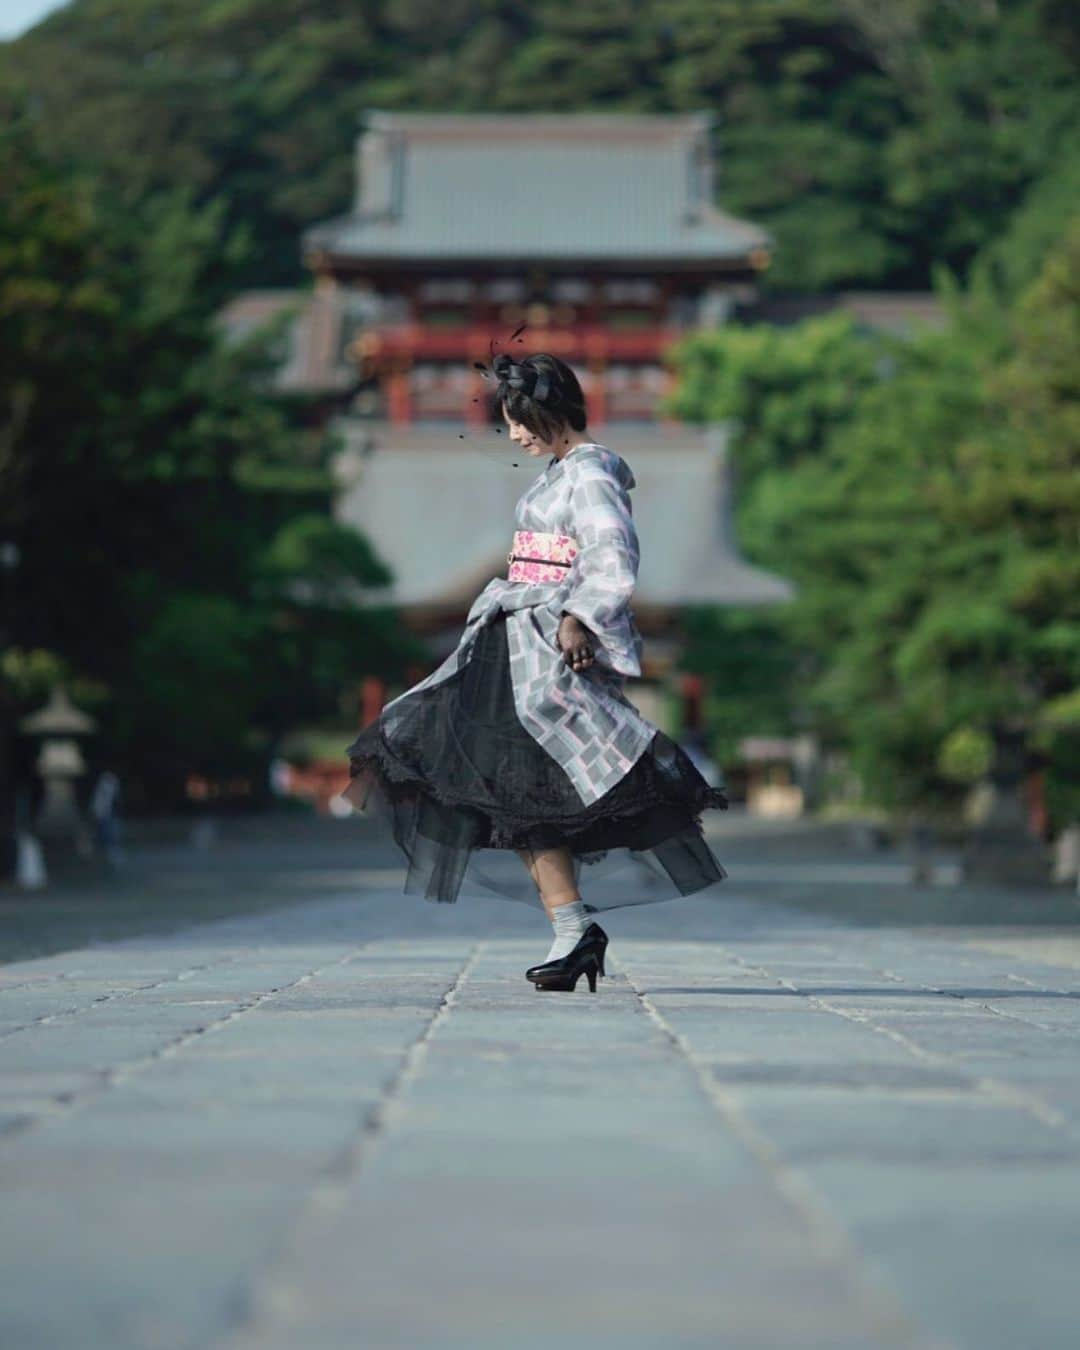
(570, 922)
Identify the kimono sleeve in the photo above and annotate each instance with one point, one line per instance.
(485, 600)
(605, 570)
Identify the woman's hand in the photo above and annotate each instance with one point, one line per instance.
(575, 643)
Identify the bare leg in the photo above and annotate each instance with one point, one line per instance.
(552, 871)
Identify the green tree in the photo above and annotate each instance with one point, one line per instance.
(144, 469)
(784, 390)
(874, 140)
(312, 579)
(930, 527)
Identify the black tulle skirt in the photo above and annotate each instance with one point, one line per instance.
(450, 770)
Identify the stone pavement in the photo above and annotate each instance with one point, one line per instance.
(350, 1122)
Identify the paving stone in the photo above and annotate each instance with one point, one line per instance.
(918, 1126)
(352, 1121)
(988, 1257)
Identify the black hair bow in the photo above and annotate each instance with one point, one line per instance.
(534, 382)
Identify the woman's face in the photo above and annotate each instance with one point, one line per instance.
(528, 440)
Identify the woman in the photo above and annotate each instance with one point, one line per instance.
(523, 738)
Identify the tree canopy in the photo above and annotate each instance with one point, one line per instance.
(874, 140)
(174, 516)
(924, 496)
(178, 561)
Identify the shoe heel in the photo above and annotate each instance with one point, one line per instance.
(600, 942)
(590, 972)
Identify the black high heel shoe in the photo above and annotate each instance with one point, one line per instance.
(597, 934)
(587, 958)
(565, 973)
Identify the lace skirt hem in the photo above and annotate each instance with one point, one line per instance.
(450, 771)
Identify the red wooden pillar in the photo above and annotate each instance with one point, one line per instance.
(399, 393)
(596, 354)
(372, 698)
(1038, 816)
(693, 693)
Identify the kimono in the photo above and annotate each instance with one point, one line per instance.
(583, 719)
(504, 746)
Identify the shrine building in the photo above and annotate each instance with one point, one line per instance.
(601, 236)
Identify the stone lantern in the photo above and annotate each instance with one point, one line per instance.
(59, 762)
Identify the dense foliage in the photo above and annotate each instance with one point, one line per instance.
(924, 496)
(177, 557)
(179, 560)
(874, 139)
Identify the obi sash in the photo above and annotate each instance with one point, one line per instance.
(537, 556)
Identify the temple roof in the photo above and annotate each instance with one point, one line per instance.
(440, 512)
(311, 355)
(537, 186)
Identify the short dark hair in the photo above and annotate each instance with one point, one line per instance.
(563, 404)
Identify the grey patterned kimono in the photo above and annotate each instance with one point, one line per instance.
(583, 720)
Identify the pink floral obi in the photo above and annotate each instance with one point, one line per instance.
(537, 556)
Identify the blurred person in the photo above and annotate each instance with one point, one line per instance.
(280, 776)
(105, 813)
(523, 738)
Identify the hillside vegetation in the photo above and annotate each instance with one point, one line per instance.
(178, 560)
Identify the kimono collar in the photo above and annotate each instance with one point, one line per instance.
(612, 461)
(556, 460)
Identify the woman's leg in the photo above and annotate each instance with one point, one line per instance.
(552, 871)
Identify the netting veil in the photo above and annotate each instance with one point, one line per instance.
(461, 785)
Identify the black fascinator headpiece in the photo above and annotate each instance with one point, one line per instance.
(532, 382)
